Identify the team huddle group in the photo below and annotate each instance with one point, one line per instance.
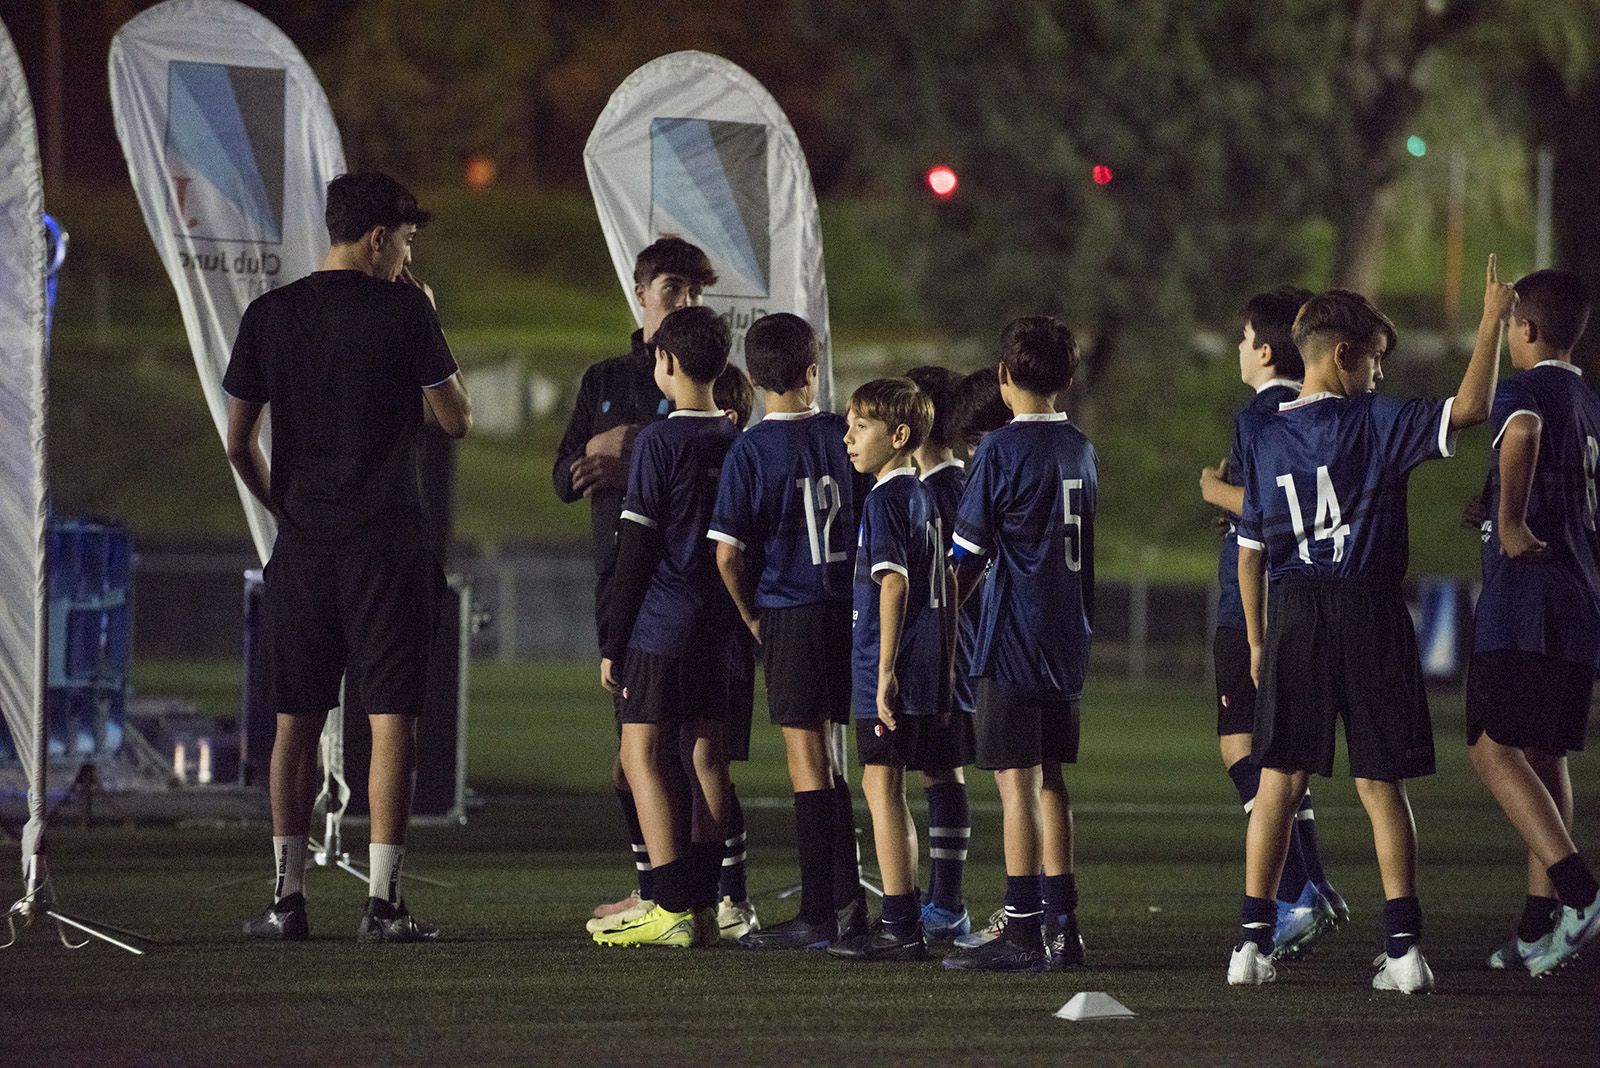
(947, 609)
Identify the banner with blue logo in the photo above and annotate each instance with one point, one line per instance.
(692, 146)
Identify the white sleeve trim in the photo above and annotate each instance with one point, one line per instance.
(1250, 543)
(1447, 433)
(642, 520)
(442, 381)
(889, 565)
(726, 539)
(967, 545)
(1498, 434)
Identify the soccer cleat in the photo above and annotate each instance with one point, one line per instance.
(852, 919)
(284, 921)
(1301, 924)
(943, 925)
(1341, 911)
(1001, 954)
(706, 931)
(658, 927)
(385, 922)
(620, 919)
(1409, 974)
(1575, 929)
(735, 919)
(1063, 944)
(1250, 967)
(614, 907)
(791, 934)
(993, 928)
(882, 942)
(1516, 953)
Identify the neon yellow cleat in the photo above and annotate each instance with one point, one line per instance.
(658, 927)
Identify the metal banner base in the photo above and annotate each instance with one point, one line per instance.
(38, 899)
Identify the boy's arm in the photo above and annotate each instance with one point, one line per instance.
(1472, 401)
(1252, 587)
(639, 551)
(730, 565)
(244, 449)
(892, 593)
(1218, 492)
(1519, 458)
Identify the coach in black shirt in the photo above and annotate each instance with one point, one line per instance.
(348, 359)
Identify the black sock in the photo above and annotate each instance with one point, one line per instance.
(675, 885)
(1575, 883)
(1293, 879)
(732, 883)
(707, 860)
(1060, 896)
(901, 909)
(1402, 925)
(814, 831)
(641, 855)
(846, 865)
(949, 830)
(1246, 776)
(1257, 918)
(1024, 909)
(1538, 918)
(1305, 830)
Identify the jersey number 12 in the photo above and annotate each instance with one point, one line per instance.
(1330, 524)
(825, 495)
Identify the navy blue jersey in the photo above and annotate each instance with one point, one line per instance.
(945, 484)
(788, 500)
(672, 486)
(1325, 483)
(900, 532)
(1263, 406)
(1030, 503)
(1552, 607)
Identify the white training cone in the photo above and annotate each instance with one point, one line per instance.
(1094, 1005)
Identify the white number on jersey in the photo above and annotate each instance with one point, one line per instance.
(1329, 524)
(935, 531)
(1591, 492)
(825, 495)
(1074, 521)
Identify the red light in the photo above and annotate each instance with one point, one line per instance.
(1102, 174)
(942, 180)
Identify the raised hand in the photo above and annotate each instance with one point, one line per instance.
(1499, 298)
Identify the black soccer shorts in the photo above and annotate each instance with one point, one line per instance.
(1236, 690)
(1023, 729)
(805, 653)
(673, 689)
(1528, 700)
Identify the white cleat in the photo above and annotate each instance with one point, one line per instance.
(1409, 974)
(735, 919)
(1250, 967)
(618, 920)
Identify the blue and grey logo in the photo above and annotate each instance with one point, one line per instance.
(708, 185)
(225, 149)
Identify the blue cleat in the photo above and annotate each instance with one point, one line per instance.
(944, 925)
(1300, 924)
(1576, 929)
(1341, 911)
(1515, 954)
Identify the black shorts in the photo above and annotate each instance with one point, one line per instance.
(898, 748)
(741, 696)
(946, 742)
(669, 690)
(1528, 700)
(371, 615)
(1019, 729)
(1342, 649)
(1236, 690)
(805, 654)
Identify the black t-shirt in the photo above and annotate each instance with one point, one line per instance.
(341, 358)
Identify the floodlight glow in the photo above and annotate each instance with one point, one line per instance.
(943, 181)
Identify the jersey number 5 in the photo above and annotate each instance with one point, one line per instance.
(1074, 522)
(824, 495)
(1330, 524)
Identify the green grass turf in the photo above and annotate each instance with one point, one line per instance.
(517, 982)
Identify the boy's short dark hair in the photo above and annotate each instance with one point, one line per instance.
(359, 202)
(673, 255)
(699, 338)
(980, 407)
(1271, 317)
(777, 349)
(1342, 315)
(896, 402)
(1558, 302)
(732, 393)
(1040, 354)
(941, 385)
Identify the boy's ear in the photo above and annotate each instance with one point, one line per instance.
(1266, 354)
(901, 435)
(672, 361)
(1002, 373)
(1529, 328)
(638, 293)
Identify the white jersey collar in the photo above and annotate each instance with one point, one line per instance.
(936, 468)
(784, 416)
(696, 413)
(896, 473)
(1287, 383)
(1040, 417)
(1574, 368)
(1289, 406)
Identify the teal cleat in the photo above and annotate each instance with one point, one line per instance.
(1341, 911)
(944, 925)
(1576, 929)
(1515, 954)
(1301, 924)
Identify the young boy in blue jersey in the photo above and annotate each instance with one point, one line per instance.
(950, 744)
(1270, 364)
(671, 635)
(900, 663)
(1325, 516)
(1029, 507)
(1537, 632)
(785, 511)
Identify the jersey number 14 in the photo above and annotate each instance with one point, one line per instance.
(1330, 524)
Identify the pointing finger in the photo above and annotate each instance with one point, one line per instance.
(1494, 275)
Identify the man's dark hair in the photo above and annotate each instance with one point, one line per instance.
(732, 393)
(1557, 302)
(896, 402)
(1271, 317)
(1040, 354)
(940, 384)
(1340, 315)
(358, 202)
(979, 406)
(699, 338)
(673, 255)
(777, 349)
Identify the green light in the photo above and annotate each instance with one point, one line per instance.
(1416, 146)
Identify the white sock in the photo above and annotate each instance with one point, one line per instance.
(384, 879)
(289, 864)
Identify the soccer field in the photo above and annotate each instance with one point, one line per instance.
(515, 980)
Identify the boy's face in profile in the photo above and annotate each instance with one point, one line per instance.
(1361, 369)
(1249, 353)
(663, 376)
(870, 442)
(665, 294)
(395, 255)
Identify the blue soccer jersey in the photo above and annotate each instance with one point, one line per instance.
(945, 484)
(672, 486)
(900, 533)
(1551, 607)
(1325, 483)
(788, 500)
(1263, 406)
(1030, 504)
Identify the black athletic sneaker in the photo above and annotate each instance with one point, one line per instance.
(852, 919)
(1063, 945)
(884, 941)
(797, 933)
(383, 922)
(1001, 955)
(284, 921)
